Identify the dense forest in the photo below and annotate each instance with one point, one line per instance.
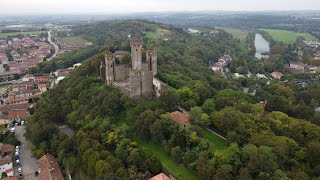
(278, 141)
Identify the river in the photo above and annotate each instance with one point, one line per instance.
(262, 47)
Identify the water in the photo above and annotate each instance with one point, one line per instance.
(262, 46)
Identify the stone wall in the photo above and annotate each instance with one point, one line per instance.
(135, 84)
(146, 84)
(122, 72)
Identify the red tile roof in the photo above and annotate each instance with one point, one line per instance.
(160, 176)
(11, 178)
(7, 148)
(15, 114)
(180, 118)
(49, 168)
(5, 160)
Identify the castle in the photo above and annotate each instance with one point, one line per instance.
(134, 80)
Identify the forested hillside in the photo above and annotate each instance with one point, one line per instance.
(113, 133)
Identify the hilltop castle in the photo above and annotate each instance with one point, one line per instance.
(134, 80)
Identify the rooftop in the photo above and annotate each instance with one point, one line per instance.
(160, 176)
(180, 117)
(49, 168)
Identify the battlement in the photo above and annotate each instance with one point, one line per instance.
(135, 42)
(109, 56)
(135, 80)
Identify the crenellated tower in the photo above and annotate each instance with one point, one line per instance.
(136, 53)
(109, 68)
(152, 61)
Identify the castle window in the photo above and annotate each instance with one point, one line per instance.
(136, 49)
(111, 66)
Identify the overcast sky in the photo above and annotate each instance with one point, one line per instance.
(128, 6)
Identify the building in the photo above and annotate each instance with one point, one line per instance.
(161, 176)
(134, 80)
(6, 164)
(180, 118)
(297, 66)
(49, 168)
(276, 75)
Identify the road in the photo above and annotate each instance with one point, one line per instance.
(29, 164)
(56, 48)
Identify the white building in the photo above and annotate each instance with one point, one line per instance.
(5, 164)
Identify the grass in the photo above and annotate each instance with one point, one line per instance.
(76, 40)
(172, 167)
(217, 143)
(6, 35)
(287, 36)
(158, 34)
(238, 34)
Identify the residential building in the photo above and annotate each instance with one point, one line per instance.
(161, 176)
(276, 75)
(180, 118)
(49, 168)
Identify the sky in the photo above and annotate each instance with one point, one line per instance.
(130, 6)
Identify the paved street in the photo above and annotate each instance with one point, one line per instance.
(56, 47)
(28, 163)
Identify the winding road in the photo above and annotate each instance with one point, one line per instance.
(56, 48)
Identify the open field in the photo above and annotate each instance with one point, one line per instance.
(172, 167)
(5, 35)
(76, 40)
(238, 34)
(287, 36)
(217, 143)
(159, 34)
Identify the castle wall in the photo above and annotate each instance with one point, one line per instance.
(135, 84)
(122, 72)
(146, 84)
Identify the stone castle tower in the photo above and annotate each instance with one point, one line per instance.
(135, 80)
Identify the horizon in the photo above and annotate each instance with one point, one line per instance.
(100, 7)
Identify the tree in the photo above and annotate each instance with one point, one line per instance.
(209, 106)
(198, 117)
(169, 100)
(144, 122)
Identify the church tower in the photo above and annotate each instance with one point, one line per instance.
(110, 70)
(136, 53)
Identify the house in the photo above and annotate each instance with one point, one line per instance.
(261, 76)
(276, 75)
(10, 172)
(239, 75)
(49, 168)
(161, 176)
(7, 116)
(217, 67)
(180, 118)
(6, 150)
(296, 66)
(6, 164)
(11, 178)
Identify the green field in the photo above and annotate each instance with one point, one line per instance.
(217, 143)
(158, 34)
(238, 34)
(5, 35)
(76, 40)
(287, 36)
(172, 167)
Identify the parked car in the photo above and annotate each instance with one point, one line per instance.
(17, 153)
(12, 130)
(19, 169)
(17, 161)
(17, 157)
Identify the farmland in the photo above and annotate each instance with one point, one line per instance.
(6, 35)
(287, 36)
